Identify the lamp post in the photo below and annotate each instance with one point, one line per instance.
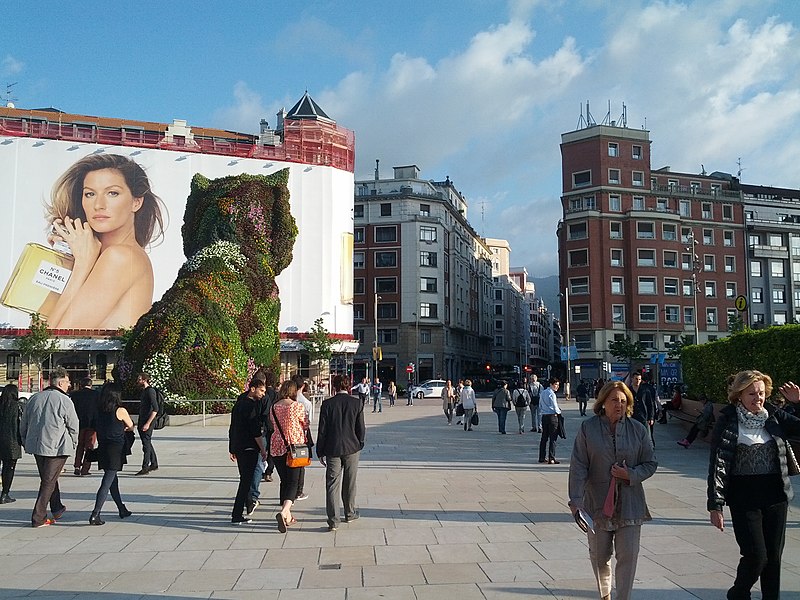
(416, 345)
(565, 295)
(695, 262)
(375, 348)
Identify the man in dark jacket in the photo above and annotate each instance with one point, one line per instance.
(644, 403)
(340, 438)
(85, 401)
(245, 444)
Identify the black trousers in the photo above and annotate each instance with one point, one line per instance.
(549, 435)
(9, 465)
(290, 478)
(149, 458)
(760, 533)
(246, 462)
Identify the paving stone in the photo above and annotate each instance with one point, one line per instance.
(269, 579)
(393, 575)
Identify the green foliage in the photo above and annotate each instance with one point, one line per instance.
(626, 349)
(222, 311)
(736, 324)
(318, 343)
(675, 350)
(38, 343)
(772, 351)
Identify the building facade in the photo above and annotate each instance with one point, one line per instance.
(422, 280)
(650, 254)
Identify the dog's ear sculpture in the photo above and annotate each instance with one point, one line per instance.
(222, 311)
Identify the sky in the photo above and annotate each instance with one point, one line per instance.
(477, 90)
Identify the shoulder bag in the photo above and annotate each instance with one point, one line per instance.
(298, 455)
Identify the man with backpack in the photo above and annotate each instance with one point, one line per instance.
(149, 406)
(535, 389)
(521, 399)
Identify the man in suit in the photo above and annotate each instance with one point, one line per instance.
(85, 401)
(340, 438)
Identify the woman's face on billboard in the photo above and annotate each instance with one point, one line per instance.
(107, 201)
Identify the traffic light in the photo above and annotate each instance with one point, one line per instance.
(488, 367)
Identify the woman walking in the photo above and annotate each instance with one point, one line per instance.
(392, 391)
(113, 421)
(448, 401)
(289, 424)
(749, 471)
(469, 404)
(10, 443)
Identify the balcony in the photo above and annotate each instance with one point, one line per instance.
(762, 251)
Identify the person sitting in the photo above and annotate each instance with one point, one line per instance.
(703, 423)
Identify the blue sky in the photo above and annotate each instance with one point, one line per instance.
(477, 90)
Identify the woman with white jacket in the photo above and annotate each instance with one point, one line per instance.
(468, 402)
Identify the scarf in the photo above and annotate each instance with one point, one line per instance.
(752, 420)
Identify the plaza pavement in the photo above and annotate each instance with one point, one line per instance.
(444, 514)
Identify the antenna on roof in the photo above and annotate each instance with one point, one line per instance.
(739, 172)
(9, 100)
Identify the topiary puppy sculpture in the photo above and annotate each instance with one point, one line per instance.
(223, 308)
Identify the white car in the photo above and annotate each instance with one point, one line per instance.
(427, 389)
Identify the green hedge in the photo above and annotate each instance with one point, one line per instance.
(774, 351)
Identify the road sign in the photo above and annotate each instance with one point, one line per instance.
(409, 369)
(573, 352)
(740, 303)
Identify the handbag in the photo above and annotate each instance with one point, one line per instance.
(459, 410)
(297, 455)
(474, 420)
(791, 460)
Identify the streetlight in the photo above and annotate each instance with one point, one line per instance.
(416, 345)
(695, 265)
(375, 349)
(565, 295)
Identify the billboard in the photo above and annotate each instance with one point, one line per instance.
(103, 267)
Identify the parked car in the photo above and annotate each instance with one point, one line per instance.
(427, 389)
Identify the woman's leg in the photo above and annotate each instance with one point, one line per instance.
(498, 412)
(115, 492)
(774, 524)
(600, 548)
(7, 474)
(748, 528)
(102, 492)
(626, 546)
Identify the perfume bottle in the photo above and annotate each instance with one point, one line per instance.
(39, 278)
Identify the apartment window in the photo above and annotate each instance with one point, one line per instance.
(616, 230)
(688, 287)
(424, 210)
(13, 365)
(576, 204)
(427, 259)
(779, 317)
(358, 260)
(618, 313)
(613, 176)
(498, 309)
(638, 179)
(358, 312)
(730, 290)
(499, 341)
(730, 264)
(581, 179)
(386, 259)
(711, 289)
(647, 285)
(387, 310)
(647, 313)
(358, 211)
(670, 286)
(776, 268)
(688, 315)
(386, 285)
(616, 285)
(498, 294)
(758, 318)
(358, 235)
(757, 295)
(672, 314)
(755, 268)
(708, 237)
(636, 152)
(577, 231)
(498, 324)
(669, 232)
(613, 149)
(387, 336)
(686, 235)
(645, 230)
(614, 203)
(386, 234)
(428, 310)
(755, 239)
(583, 341)
(686, 262)
(672, 183)
(427, 284)
(425, 336)
(662, 205)
(578, 258)
(685, 208)
(727, 212)
(616, 257)
(779, 294)
(727, 239)
(648, 341)
(670, 259)
(358, 285)
(386, 209)
(646, 258)
(709, 262)
(638, 203)
(427, 234)
(579, 285)
(707, 211)
(358, 335)
(711, 315)
(580, 313)
(775, 239)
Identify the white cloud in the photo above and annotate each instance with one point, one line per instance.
(246, 111)
(11, 65)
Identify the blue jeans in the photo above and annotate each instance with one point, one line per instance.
(376, 401)
(257, 473)
(536, 417)
(502, 414)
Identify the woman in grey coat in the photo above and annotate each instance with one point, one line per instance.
(10, 447)
(611, 457)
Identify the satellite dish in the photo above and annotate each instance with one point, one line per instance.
(10, 105)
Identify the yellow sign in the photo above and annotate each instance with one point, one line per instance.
(740, 303)
(377, 353)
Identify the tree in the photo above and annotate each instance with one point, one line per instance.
(319, 345)
(676, 348)
(626, 349)
(736, 324)
(36, 345)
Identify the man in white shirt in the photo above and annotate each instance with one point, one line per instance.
(308, 406)
(548, 405)
(362, 389)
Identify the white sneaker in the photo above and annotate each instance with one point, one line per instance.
(301, 497)
(253, 508)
